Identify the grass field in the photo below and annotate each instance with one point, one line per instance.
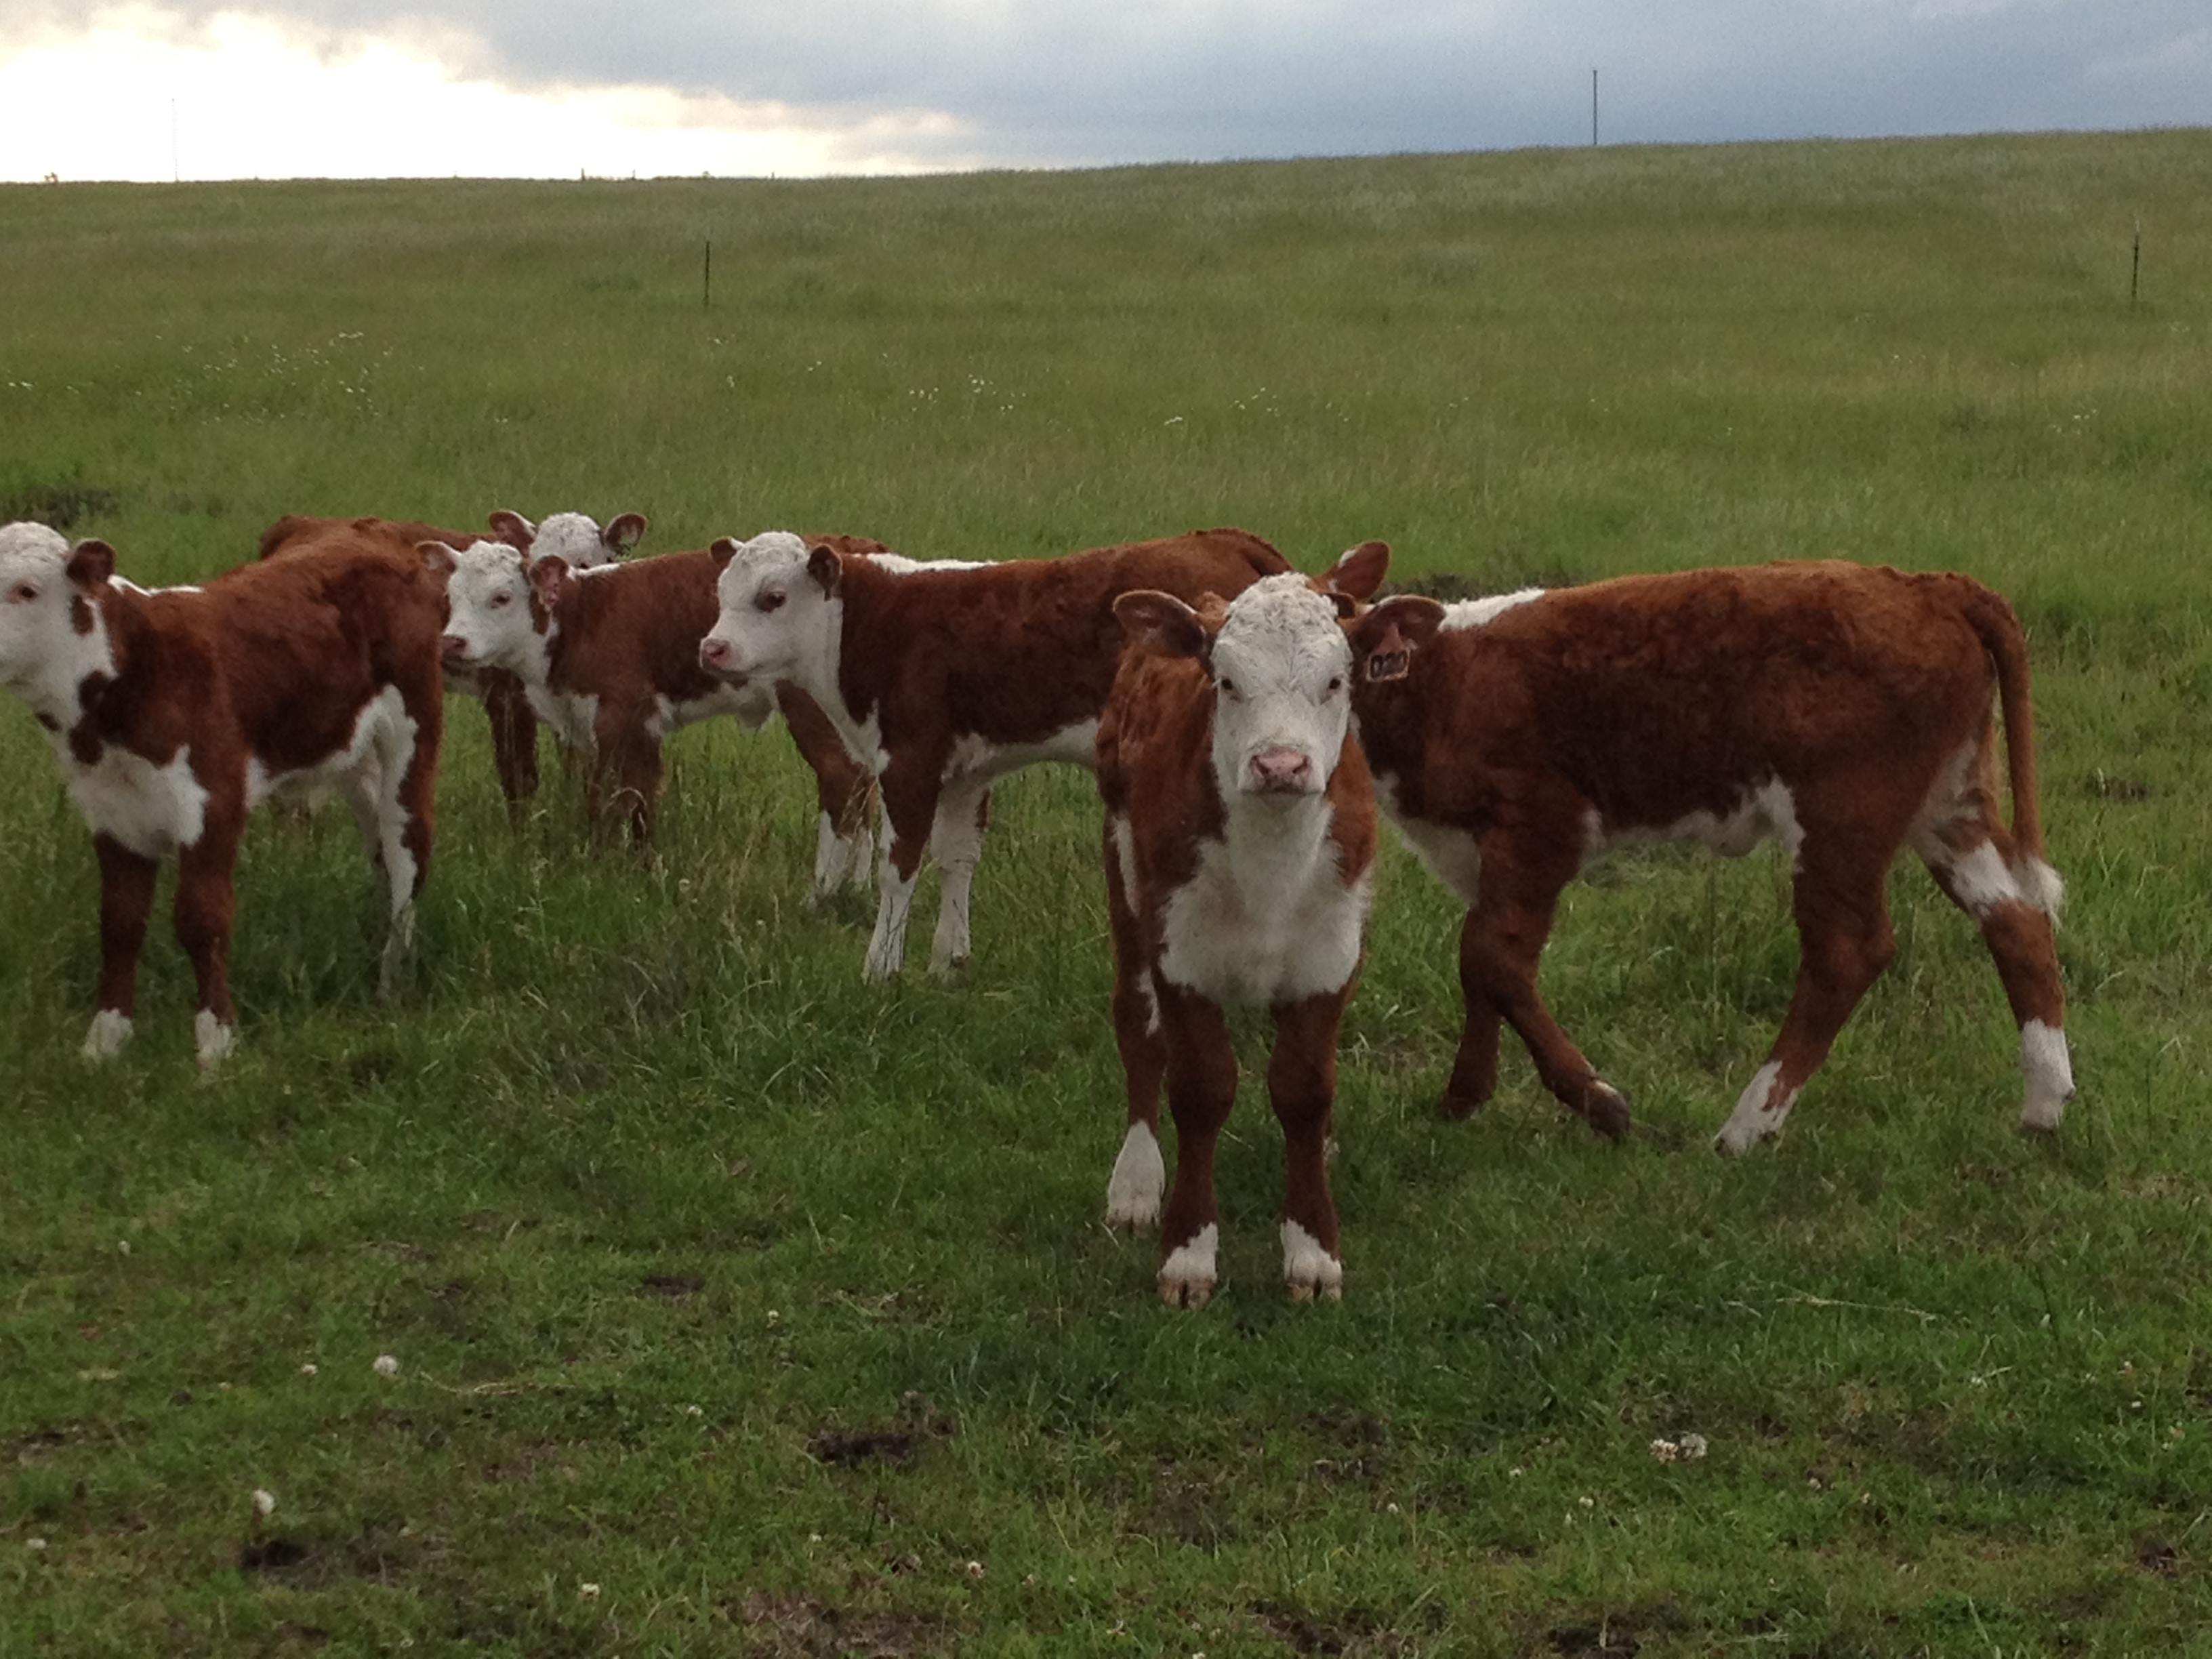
(740, 1307)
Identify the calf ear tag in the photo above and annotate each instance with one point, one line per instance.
(1390, 659)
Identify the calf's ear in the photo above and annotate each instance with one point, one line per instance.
(550, 580)
(91, 563)
(437, 558)
(1384, 640)
(1162, 624)
(722, 549)
(826, 567)
(512, 529)
(1358, 573)
(622, 533)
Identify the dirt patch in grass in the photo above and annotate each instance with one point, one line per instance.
(848, 1450)
(271, 1555)
(779, 1625)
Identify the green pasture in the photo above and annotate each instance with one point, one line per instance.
(741, 1307)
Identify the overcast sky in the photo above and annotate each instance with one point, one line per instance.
(152, 89)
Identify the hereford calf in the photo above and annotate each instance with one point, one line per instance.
(1844, 710)
(574, 536)
(175, 713)
(608, 657)
(949, 675)
(1239, 852)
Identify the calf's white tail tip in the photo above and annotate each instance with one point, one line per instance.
(2050, 1072)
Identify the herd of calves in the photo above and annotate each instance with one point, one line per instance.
(1243, 718)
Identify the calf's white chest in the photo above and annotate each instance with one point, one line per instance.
(1268, 917)
(151, 809)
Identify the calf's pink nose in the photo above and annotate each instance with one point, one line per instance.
(1281, 768)
(714, 653)
(453, 646)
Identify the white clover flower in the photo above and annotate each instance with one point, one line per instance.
(1665, 1451)
(386, 1365)
(589, 1592)
(265, 1502)
(1693, 1447)
(307, 1369)
(974, 1568)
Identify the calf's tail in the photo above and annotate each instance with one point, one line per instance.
(1993, 619)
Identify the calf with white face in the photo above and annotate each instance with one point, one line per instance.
(575, 536)
(609, 656)
(492, 620)
(946, 675)
(1239, 852)
(174, 713)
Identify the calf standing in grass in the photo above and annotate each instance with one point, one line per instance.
(949, 675)
(175, 713)
(574, 537)
(608, 657)
(1239, 854)
(1845, 710)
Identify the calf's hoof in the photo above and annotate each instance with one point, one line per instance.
(1310, 1271)
(213, 1041)
(1453, 1107)
(111, 1029)
(1132, 1192)
(1187, 1276)
(1186, 1293)
(1604, 1109)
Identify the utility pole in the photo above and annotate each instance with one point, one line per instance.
(1593, 109)
(176, 166)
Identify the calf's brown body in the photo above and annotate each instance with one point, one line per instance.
(1847, 710)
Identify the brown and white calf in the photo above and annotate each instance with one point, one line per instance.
(1845, 710)
(574, 536)
(174, 713)
(947, 676)
(608, 657)
(1239, 854)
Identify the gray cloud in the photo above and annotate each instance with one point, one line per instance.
(1054, 82)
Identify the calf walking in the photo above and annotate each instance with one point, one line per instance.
(1845, 710)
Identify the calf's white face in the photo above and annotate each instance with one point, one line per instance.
(488, 617)
(782, 612)
(50, 632)
(1282, 671)
(577, 538)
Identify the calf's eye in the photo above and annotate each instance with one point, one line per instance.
(770, 600)
(1335, 682)
(22, 593)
